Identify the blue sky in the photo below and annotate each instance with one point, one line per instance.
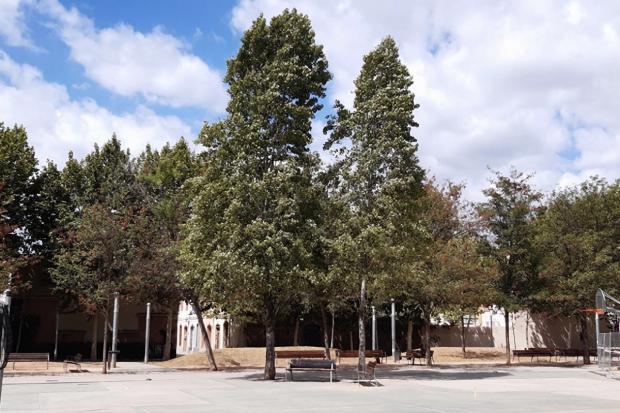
(530, 84)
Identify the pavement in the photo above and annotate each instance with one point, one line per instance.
(402, 389)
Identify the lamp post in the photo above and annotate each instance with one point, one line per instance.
(115, 329)
(394, 330)
(147, 333)
(374, 328)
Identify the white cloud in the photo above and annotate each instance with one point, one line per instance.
(56, 123)
(155, 65)
(12, 26)
(500, 83)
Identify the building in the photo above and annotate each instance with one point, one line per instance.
(220, 330)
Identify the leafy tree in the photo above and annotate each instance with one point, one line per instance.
(578, 235)
(425, 281)
(156, 231)
(96, 214)
(471, 276)
(247, 242)
(507, 215)
(379, 178)
(94, 264)
(108, 177)
(8, 262)
(18, 168)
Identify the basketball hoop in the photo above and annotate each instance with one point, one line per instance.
(593, 310)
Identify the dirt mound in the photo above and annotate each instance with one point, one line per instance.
(230, 358)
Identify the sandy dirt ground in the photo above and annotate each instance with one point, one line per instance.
(255, 357)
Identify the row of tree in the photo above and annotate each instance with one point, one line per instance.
(256, 225)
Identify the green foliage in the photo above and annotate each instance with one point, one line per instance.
(108, 177)
(578, 236)
(95, 263)
(508, 216)
(378, 180)
(157, 228)
(253, 214)
(378, 177)
(18, 167)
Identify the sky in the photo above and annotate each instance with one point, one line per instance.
(529, 84)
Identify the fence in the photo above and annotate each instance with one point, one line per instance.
(608, 352)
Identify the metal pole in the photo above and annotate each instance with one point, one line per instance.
(147, 334)
(374, 328)
(5, 300)
(394, 330)
(597, 333)
(114, 329)
(56, 337)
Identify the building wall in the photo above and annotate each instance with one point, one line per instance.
(526, 330)
(34, 327)
(222, 332)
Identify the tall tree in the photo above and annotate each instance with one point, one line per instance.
(507, 214)
(96, 215)
(578, 235)
(247, 237)
(379, 178)
(426, 280)
(157, 229)
(94, 264)
(18, 168)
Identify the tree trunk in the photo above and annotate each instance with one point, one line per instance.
(427, 340)
(331, 341)
(104, 352)
(325, 335)
(93, 344)
(351, 340)
(168, 343)
(463, 336)
(409, 334)
(361, 364)
(270, 345)
(507, 331)
(205, 335)
(585, 340)
(296, 332)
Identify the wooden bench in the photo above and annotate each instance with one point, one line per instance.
(536, 352)
(300, 354)
(574, 352)
(311, 365)
(29, 357)
(75, 361)
(418, 354)
(376, 354)
(368, 376)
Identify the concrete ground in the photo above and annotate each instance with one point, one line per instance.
(402, 389)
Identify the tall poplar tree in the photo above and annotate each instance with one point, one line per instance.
(379, 177)
(247, 242)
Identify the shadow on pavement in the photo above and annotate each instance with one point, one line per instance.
(386, 372)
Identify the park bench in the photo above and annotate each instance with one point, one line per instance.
(29, 357)
(300, 354)
(418, 353)
(575, 352)
(75, 361)
(536, 352)
(368, 376)
(311, 365)
(376, 354)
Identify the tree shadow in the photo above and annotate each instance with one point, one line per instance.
(349, 374)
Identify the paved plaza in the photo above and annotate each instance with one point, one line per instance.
(406, 389)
